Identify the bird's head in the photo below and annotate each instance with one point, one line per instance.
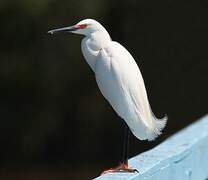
(84, 27)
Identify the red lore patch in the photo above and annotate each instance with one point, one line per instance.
(81, 26)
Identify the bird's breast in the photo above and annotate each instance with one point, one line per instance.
(108, 83)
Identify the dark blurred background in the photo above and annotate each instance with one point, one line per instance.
(55, 124)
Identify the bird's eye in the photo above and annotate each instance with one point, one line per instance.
(82, 26)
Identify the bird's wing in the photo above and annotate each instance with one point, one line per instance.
(121, 83)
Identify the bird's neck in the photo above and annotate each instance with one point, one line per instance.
(99, 40)
(92, 44)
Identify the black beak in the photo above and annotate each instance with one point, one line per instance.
(65, 29)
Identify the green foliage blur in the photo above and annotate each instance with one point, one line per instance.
(54, 121)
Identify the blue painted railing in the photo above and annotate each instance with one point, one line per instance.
(183, 156)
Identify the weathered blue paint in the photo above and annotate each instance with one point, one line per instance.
(183, 156)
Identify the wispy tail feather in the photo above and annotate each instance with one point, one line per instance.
(158, 126)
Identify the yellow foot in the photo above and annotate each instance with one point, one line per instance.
(123, 167)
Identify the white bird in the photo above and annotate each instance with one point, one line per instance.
(120, 82)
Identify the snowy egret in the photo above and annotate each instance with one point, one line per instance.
(120, 81)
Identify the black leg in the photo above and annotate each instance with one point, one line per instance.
(123, 166)
(125, 144)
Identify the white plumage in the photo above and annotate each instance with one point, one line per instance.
(119, 79)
